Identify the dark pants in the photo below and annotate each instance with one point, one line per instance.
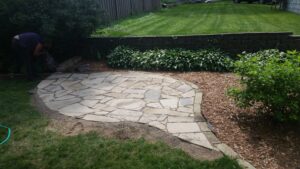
(25, 56)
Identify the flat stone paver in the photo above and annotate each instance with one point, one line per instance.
(159, 101)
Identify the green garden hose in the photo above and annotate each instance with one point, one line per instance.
(8, 134)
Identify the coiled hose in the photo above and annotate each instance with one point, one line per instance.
(7, 136)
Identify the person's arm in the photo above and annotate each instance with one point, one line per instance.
(38, 50)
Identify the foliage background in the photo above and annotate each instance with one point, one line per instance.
(65, 23)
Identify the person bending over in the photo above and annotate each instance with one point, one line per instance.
(28, 48)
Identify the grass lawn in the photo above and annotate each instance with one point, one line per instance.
(33, 147)
(221, 17)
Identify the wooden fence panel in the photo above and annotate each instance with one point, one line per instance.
(118, 9)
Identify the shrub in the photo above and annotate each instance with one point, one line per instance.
(272, 79)
(64, 22)
(169, 59)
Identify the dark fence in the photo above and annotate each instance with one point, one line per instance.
(118, 9)
(231, 43)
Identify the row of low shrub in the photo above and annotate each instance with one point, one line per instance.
(271, 81)
(169, 59)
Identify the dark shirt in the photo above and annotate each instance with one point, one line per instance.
(29, 40)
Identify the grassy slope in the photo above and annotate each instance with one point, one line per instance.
(33, 147)
(222, 17)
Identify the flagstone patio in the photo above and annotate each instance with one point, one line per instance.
(168, 104)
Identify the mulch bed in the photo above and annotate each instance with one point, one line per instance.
(258, 139)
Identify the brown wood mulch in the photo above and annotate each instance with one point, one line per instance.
(260, 140)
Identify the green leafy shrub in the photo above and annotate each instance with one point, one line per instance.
(169, 59)
(270, 79)
(64, 22)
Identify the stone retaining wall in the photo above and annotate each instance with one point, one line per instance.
(231, 43)
(294, 6)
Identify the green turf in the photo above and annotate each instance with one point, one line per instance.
(221, 17)
(34, 147)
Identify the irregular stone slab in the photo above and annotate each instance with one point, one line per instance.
(88, 92)
(75, 110)
(130, 104)
(135, 96)
(126, 115)
(196, 138)
(158, 125)
(89, 103)
(165, 112)
(154, 105)
(45, 83)
(91, 117)
(175, 119)
(92, 82)
(66, 97)
(185, 109)
(169, 103)
(186, 101)
(55, 105)
(62, 93)
(53, 88)
(183, 127)
(184, 88)
(47, 97)
(152, 95)
(189, 94)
